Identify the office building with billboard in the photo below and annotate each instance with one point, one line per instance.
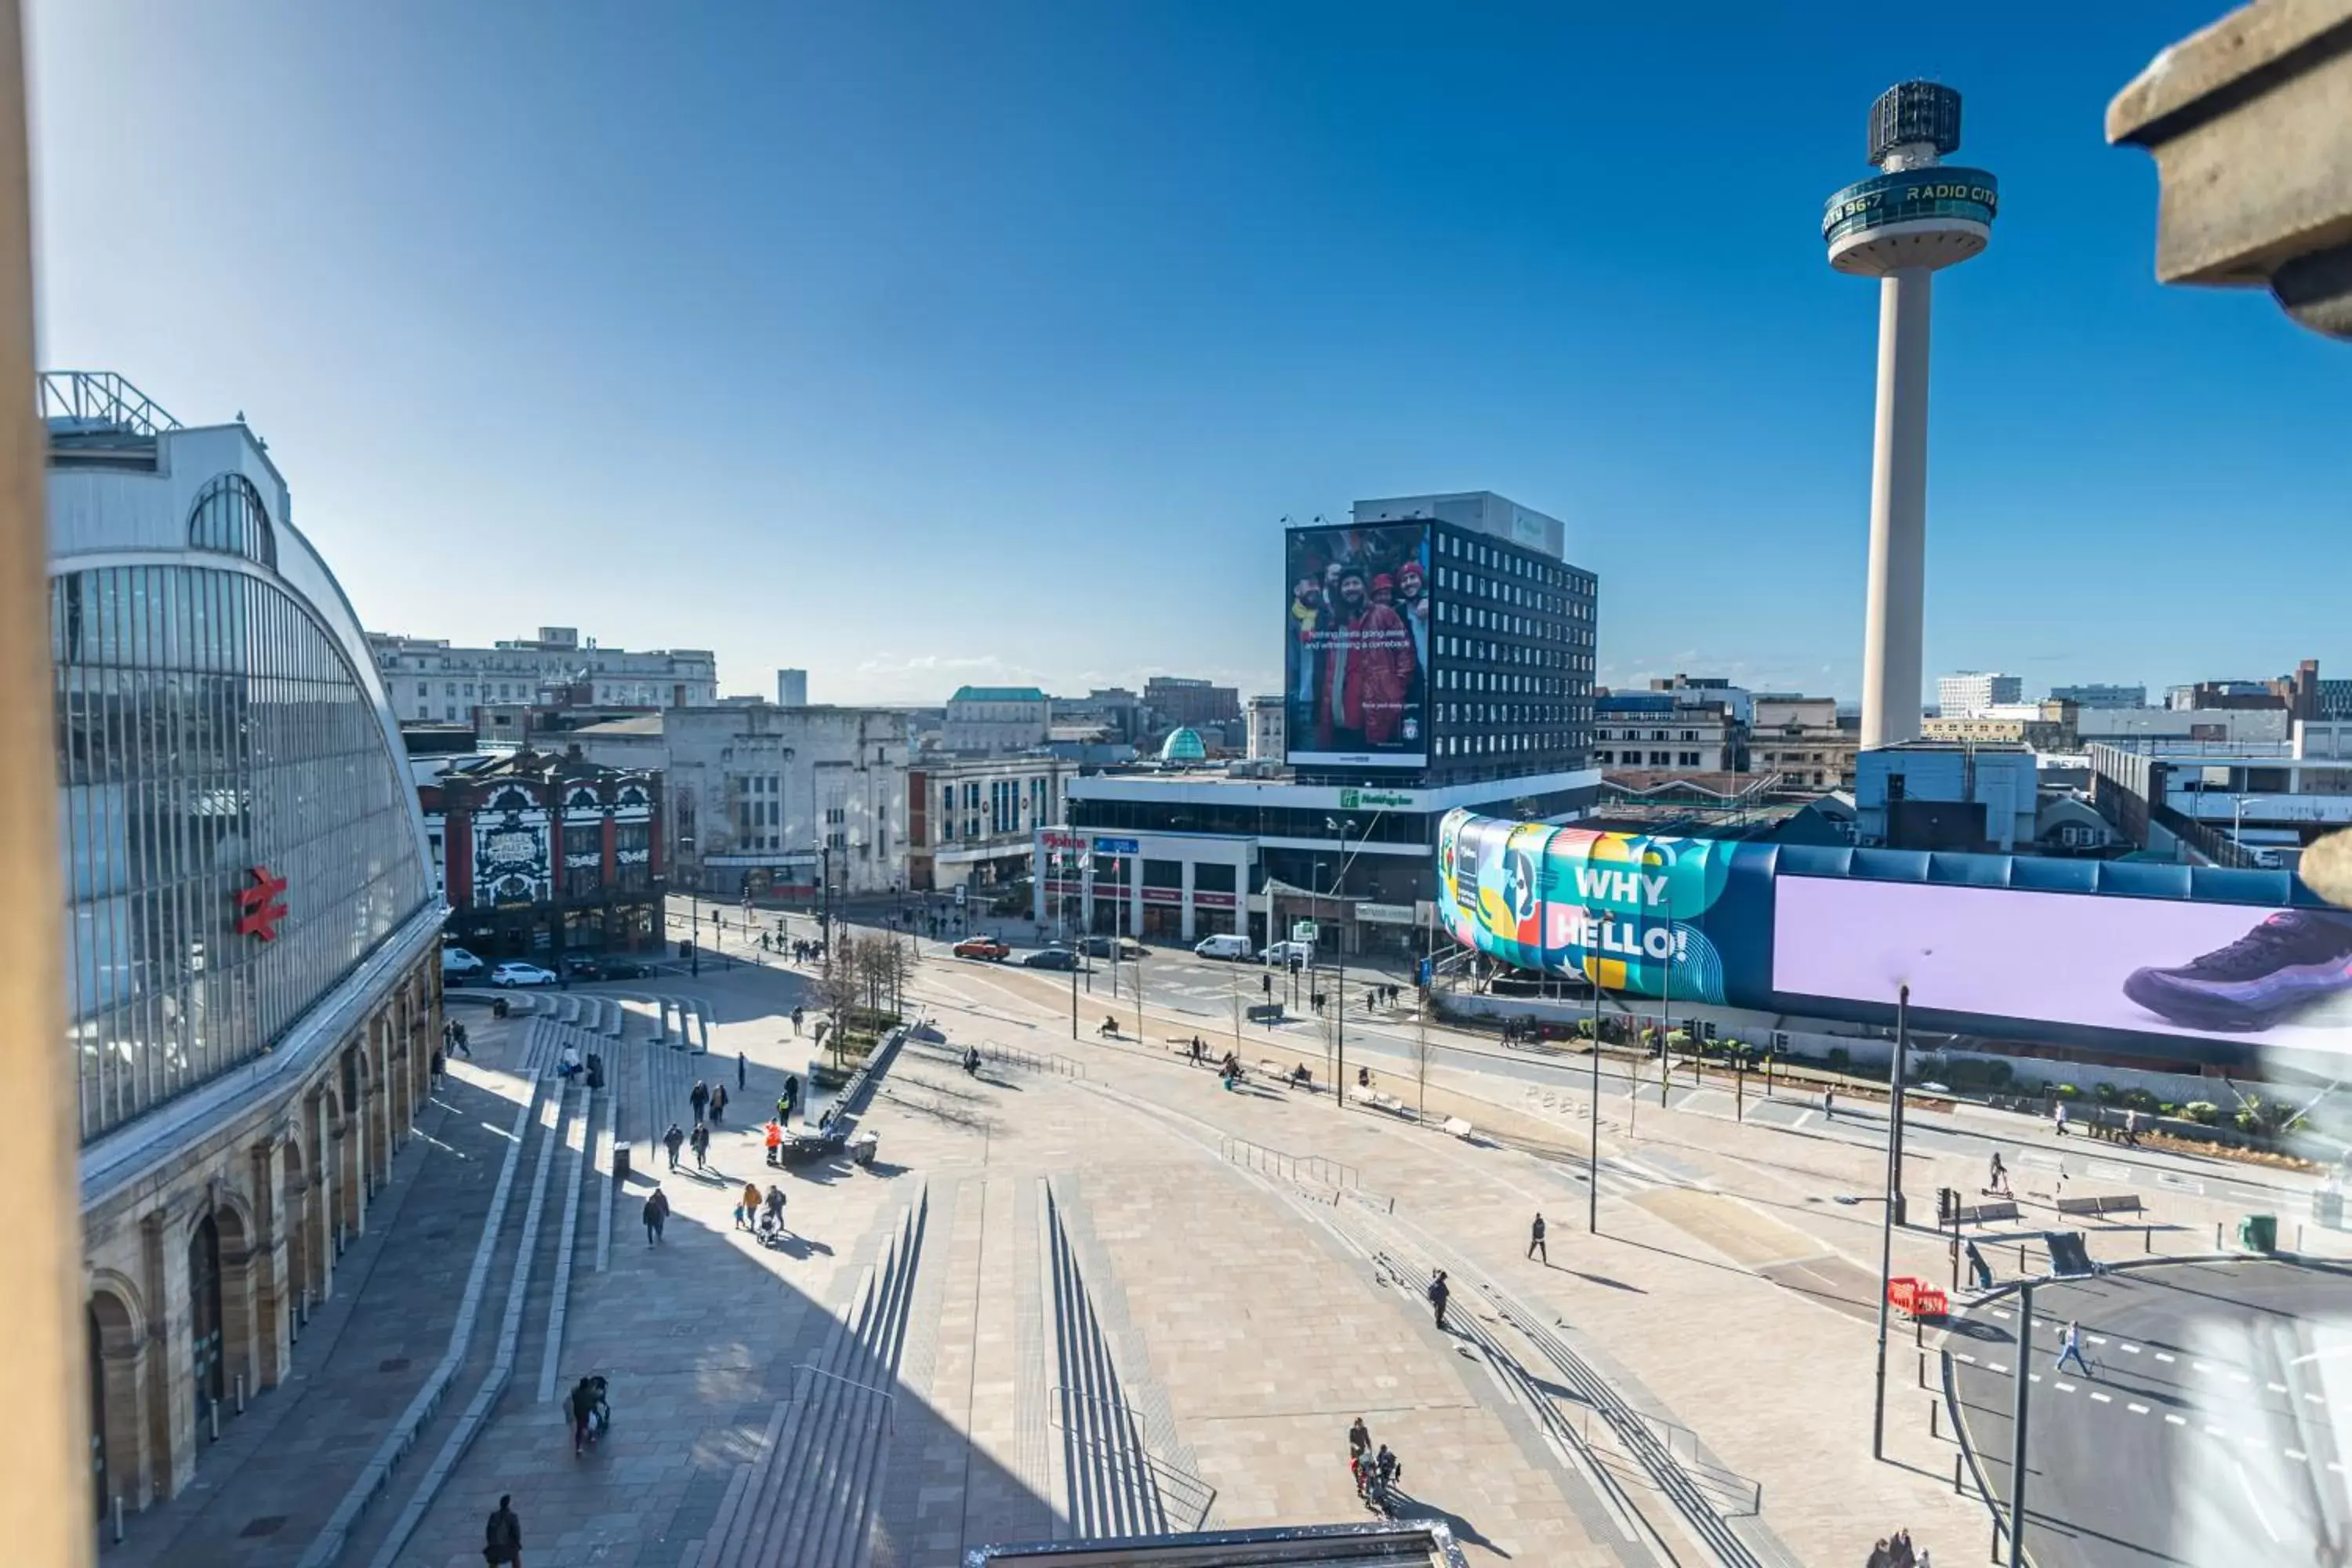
(1437, 655)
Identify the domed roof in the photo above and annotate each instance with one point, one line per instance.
(1183, 745)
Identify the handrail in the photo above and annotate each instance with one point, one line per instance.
(820, 1371)
(1128, 1413)
(1317, 1168)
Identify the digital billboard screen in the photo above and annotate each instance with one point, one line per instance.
(2269, 977)
(1626, 911)
(1356, 646)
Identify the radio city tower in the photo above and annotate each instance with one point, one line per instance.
(1899, 226)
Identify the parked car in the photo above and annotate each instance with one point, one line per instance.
(1290, 954)
(457, 963)
(1054, 958)
(1125, 947)
(1227, 945)
(521, 974)
(986, 947)
(596, 966)
(585, 968)
(623, 968)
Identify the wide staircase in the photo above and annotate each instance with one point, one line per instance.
(807, 1497)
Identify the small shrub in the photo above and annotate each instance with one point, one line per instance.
(1839, 1058)
(2203, 1112)
(2067, 1091)
(2107, 1093)
(2140, 1099)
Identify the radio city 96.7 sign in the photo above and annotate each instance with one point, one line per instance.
(1911, 195)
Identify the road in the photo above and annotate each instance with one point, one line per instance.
(2214, 1427)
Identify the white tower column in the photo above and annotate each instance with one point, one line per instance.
(1890, 672)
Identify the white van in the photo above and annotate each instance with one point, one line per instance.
(1289, 955)
(1225, 946)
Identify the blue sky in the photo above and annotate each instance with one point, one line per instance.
(932, 343)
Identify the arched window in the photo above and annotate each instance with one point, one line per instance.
(229, 516)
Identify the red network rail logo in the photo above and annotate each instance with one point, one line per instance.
(259, 907)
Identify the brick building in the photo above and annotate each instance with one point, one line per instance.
(541, 855)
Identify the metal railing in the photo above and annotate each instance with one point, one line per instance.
(1311, 1169)
(1198, 1496)
(890, 1413)
(1036, 1061)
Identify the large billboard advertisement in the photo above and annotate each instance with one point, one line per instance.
(2269, 977)
(1627, 911)
(1356, 646)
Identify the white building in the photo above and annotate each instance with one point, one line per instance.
(768, 802)
(1967, 694)
(996, 718)
(971, 820)
(1267, 727)
(791, 689)
(2097, 695)
(429, 678)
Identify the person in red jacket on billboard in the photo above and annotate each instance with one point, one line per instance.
(1367, 667)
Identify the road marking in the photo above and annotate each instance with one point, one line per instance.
(2103, 1398)
(2297, 1454)
(2033, 1377)
(2331, 1465)
(2161, 1356)
(1995, 1366)
(2136, 1409)
(2316, 1399)
(2275, 1387)
(2322, 1355)
(2000, 1312)
(1963, 1355)
(2064, 1386)
(2097, 1339)
(2130, 1350)
(2174, 1420)
(2212, 1431)
(2201, 1366)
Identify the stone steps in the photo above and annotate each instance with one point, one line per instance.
(1114, 1489)
(808, 1498)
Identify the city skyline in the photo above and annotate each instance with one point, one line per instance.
(1114, 294)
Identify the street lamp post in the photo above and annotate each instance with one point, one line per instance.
(1886, 1226)
(1593, 1154)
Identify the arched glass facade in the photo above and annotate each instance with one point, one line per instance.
(210, 734)
(229, 516)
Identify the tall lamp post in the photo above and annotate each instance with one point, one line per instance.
(1339, 991)
(1893, 1214)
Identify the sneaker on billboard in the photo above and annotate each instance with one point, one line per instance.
(2292, 959)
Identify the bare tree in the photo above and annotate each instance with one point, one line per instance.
(905, 954)
(838, 986)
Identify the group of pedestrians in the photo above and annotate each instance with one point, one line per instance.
(455, 1040)
(799, 950)
(709, 1099)
(760, 1213)
(1375, 1473)
(1896, 1551)
(699, 1141)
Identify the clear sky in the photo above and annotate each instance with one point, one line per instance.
(919, 344)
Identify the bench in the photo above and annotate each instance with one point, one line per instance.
(1986, 1213)
(2103, 1203)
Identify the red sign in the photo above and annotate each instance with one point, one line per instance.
(1164, 895)
(260, 907)
(1214, 900)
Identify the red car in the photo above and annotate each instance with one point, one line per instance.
(986, 947)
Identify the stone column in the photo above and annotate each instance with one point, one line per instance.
(171, 1408)
(273, 1288)
(126, 1357)
(321, 1166)
(1185, 929)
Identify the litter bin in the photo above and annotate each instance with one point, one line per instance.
(2327, 1208)
(2259, 1233)
(620, 1166)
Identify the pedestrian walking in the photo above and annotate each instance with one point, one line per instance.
(439, 1064)
(718, 1103)
(674, 1140)
(1438, 1292)
(1535, 1248)
(2070, 1348)
(797, 1013)
(2058, 1118)
(1879, 1555)
(701, 1140)
(699, 1098)
(742, 1070)
(465, 1042)
(1997, 1176)
(656, 1211)
(2131, 1128)
(1829, 1104)
(1359, 1439)
(747, 1205)
(502, 1537)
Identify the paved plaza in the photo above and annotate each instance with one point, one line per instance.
(1089, 1290)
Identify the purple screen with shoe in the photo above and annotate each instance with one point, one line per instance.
(2239, 972)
